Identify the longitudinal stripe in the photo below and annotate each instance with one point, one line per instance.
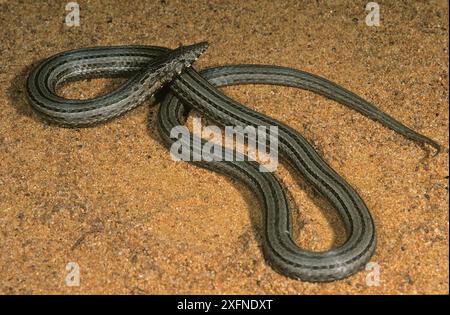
(150, 67)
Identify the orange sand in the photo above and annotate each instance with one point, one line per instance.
(111, 199)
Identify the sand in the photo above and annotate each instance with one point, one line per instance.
(110, 199)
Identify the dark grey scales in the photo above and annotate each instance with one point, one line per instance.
(150, 67)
